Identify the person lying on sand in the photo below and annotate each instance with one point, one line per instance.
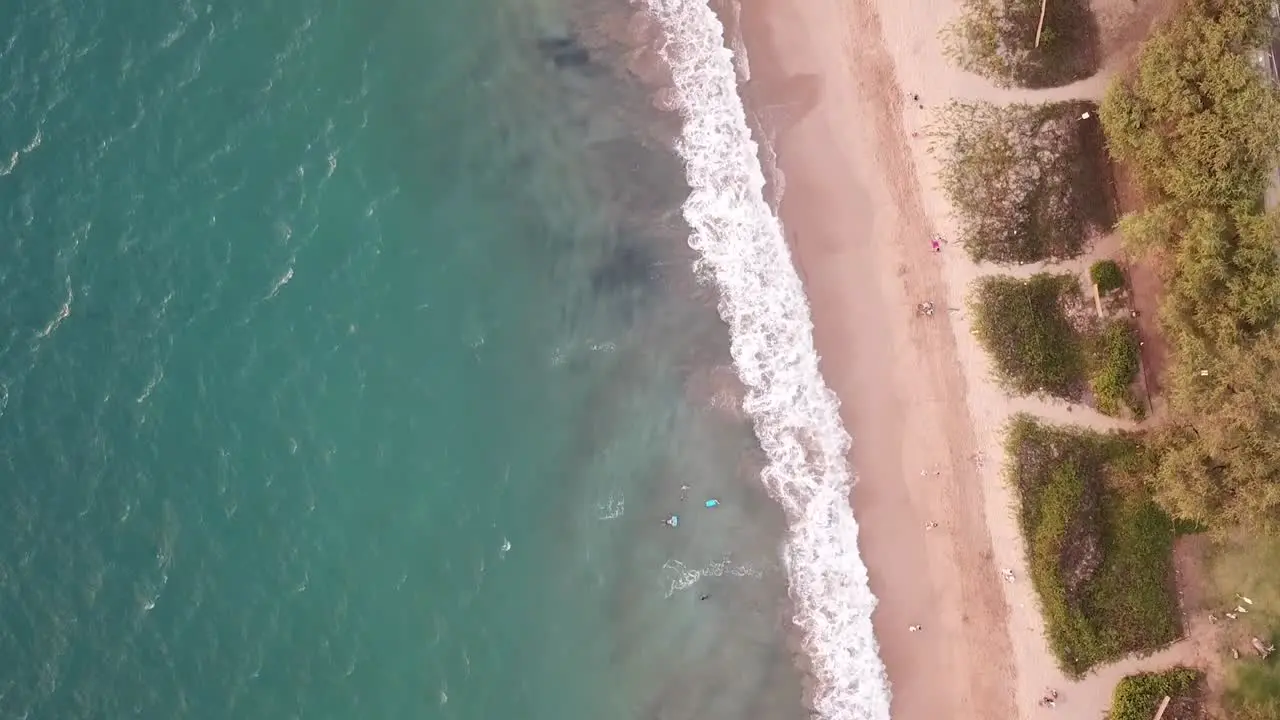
(1050, 698)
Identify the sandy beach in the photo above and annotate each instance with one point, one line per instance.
(831, 90)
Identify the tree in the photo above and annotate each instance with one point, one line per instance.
(1226, 280)
(1198, 119)
(1221, 465)
(1197, 122)
(1152, 228)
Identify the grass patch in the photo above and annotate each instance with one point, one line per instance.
(1137, 697)
(996, 39)
(1255, 691)
(1114, 368)
(1099, 550)
(1028, 182)
(1024, 325)
(1106, 274)
(1246, 564)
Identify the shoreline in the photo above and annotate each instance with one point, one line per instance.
(851, 208)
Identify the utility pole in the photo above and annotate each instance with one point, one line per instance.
(1163, 705)
(1043, 4)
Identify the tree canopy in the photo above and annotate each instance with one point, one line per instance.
(1197, 121)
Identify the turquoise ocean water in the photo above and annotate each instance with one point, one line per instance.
(351, 356)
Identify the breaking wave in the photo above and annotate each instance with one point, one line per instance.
(742, 247)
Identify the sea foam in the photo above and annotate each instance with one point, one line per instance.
(742, 247)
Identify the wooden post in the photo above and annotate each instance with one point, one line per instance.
(1043, 4)
(1164, 704)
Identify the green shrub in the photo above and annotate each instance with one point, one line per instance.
(1023, 325)
(1099, 550)
(1114, 368)
(1137, 697)
(1028, 182)
(996, 39)
(1106, 274)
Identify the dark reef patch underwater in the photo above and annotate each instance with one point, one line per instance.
(345, 369)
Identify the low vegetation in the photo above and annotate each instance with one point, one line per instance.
(1137, 697)
(1099, 550)
(1025, 327)
(1197, 123)
(1024, 179)
(1114, 368)
(997, 39)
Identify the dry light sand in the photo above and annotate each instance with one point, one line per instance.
(831, 82)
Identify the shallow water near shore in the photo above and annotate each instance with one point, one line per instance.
(353, 357)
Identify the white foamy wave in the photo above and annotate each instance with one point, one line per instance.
(680, 577)
(796, 416)
(737, 45)
(612, 508)
(773, 175)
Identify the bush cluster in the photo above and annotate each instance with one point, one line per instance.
(996, 39)
(1106, 274)
(1023, 325)
(1024, 179)
(1138, 696)
(1197, 120)
(1114, 368)
(1099, 550)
